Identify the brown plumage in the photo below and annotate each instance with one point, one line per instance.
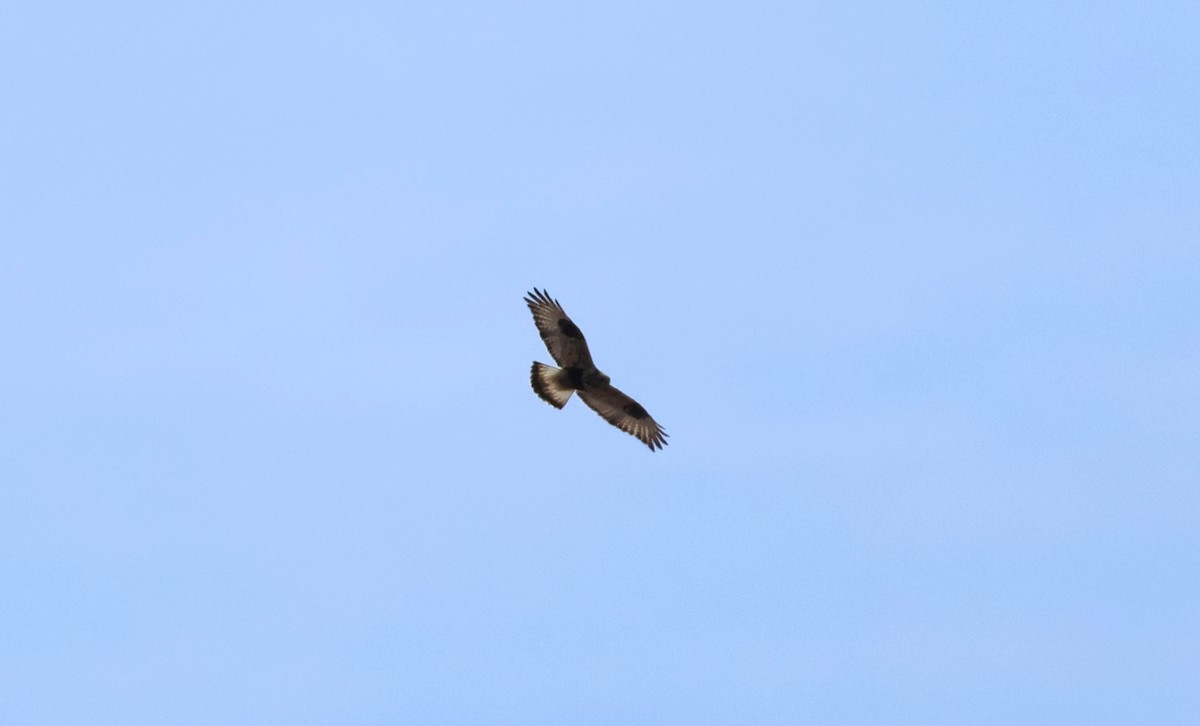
(567, 345)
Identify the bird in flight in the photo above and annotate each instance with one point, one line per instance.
(578, 373)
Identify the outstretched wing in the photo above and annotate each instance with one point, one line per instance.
(563, 339)
(626, 414)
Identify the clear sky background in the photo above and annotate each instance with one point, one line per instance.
(914, 287)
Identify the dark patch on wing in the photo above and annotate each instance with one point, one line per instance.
(635, 410)
(569, 329)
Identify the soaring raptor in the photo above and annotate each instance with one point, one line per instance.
(578, 373)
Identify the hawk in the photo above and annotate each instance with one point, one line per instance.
(578, 373)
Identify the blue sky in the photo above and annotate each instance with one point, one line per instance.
(913, 287)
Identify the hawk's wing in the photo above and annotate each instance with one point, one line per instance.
(563, 339)
(626, 414)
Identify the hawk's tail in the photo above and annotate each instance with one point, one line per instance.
(546, 385)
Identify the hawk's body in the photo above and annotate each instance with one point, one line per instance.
(578, 373)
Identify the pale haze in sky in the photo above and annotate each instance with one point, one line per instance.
(914, 288)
